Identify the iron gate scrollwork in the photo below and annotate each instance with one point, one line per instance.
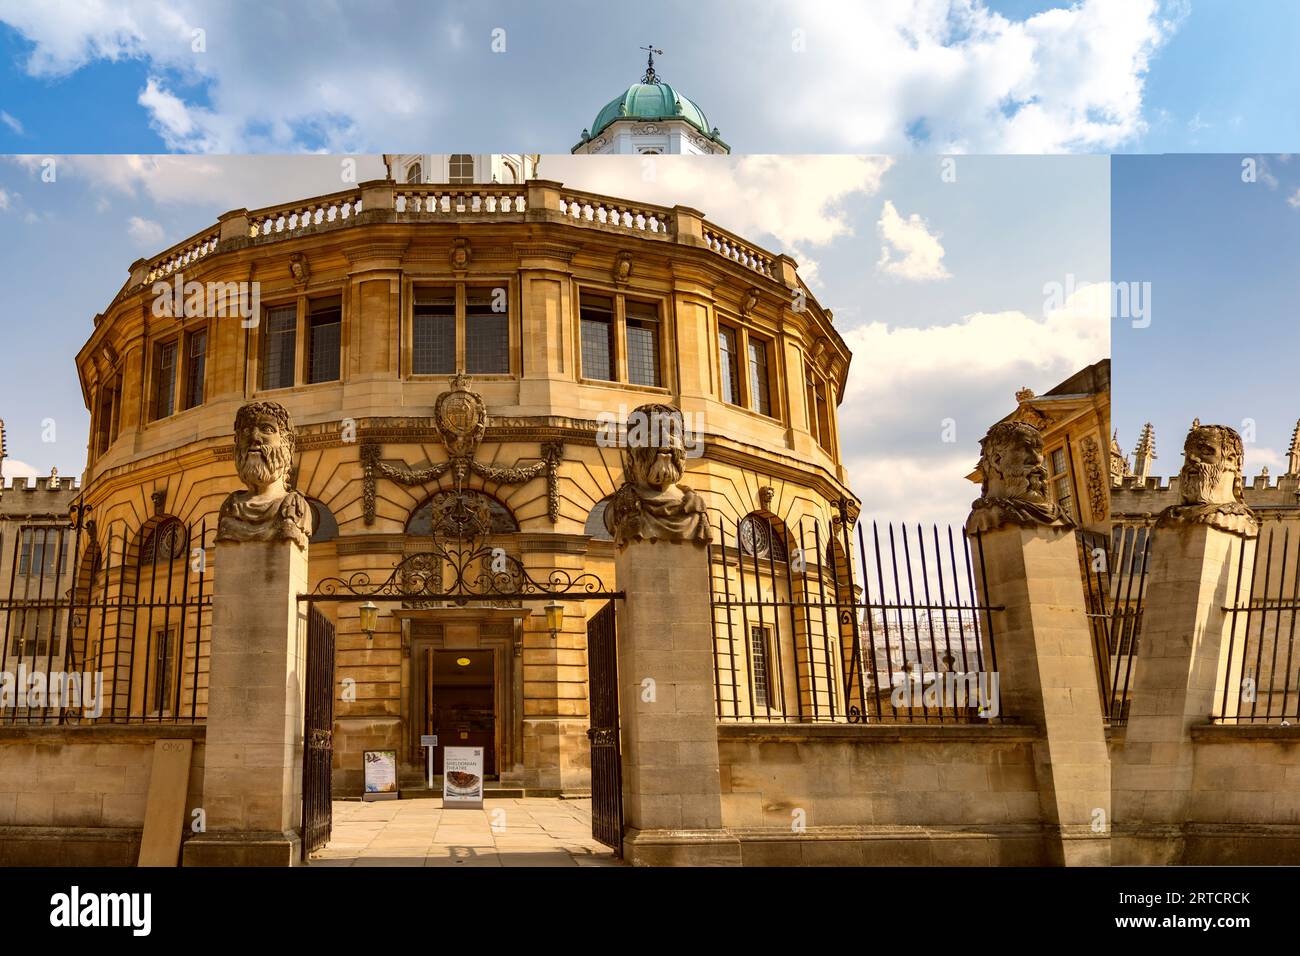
(606, 764)
(318, 733)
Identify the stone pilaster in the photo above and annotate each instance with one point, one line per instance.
(1178, 678)
(1047, 677)
(252, 786)
(672, 800)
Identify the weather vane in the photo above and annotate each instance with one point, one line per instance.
(650, 76)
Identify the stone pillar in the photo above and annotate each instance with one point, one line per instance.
(1027, 553)
(252, 781)
(672, 793)
(1183, 658)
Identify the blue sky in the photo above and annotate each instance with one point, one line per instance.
(967, 76)
(1220, 254)
(941, 299)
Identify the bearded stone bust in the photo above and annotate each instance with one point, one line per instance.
(268, 510)
(1210, 486)
(652, 505)
(1015, 482)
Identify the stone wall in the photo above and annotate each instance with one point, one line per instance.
(875, 795)
(75, 795)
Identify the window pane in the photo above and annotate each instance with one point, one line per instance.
(164, 380)
(758, 647)
(487, 331)
(730, 365)
(462, 168)
(281, 344)
(324, 341)
(198, 351)
(597, 313)
(1058, 461)
(413, 174)
(642, 343)
(758, 392)
(433, 341)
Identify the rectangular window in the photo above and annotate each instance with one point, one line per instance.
(597, 314)
(281, 346)
(107, 416)
(433, 343)
(759, 396)
(35, 635)
(324, 341)
(164, 379)
(730, 362)
(642, 342)
(41, 551)
(487, 331)
(758, 637)
(162, 671)
(196, 358)
(1060, 480)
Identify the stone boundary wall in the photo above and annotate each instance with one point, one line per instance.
(75, 795)
(882, 795)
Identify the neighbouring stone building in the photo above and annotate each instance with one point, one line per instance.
(387, 313)
(1074, 419)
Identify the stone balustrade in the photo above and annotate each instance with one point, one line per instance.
(535, 199)
(295, 217)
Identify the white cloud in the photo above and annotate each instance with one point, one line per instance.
(14, 468)
(12, 122)
(909, 250)
(799, 200)
(905, 382)
(4, 201)
(1294, 199)
(146, 232)
(1061, 80)
(870, 77)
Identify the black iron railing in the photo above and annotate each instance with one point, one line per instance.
(817, 621)
(1114, 570)
(110, 626)
(1260, 679)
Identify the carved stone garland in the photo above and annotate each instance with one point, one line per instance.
(1093, 476)
(461, 419)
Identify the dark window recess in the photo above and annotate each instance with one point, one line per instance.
(433, 345)
(758, 644)
(164, 379)
(597, 314)
(487, 331)
(642, 343)
(324, 341)
(194, 368)
(281, 346)
(730, 362)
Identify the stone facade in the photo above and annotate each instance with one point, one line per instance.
(373, 454)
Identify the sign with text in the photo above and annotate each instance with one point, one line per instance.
(462, 778)
(380, 775)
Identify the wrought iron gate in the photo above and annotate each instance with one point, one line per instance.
(318, 733)
(606, 767)
(1114, 572)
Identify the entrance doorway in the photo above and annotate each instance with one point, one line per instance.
(458, 703)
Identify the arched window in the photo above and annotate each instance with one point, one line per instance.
(595, 525)
(414, 173)
(472, 512)
(761, 538)
(461, 169)
(511, 176)
(324, 526)
(163, 541)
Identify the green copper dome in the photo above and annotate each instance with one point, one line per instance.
(650, 101)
